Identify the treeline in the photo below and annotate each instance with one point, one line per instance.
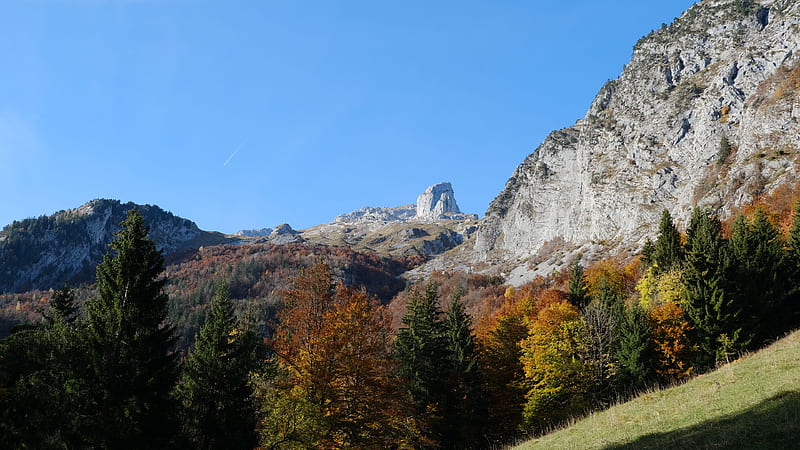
(334, 372)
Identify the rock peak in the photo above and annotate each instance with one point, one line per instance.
(437, 202)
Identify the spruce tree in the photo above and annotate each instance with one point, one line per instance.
(218, 410)
(132, 366)
(577, 294)
(420, 349)
(633, 350)
(464, 414)
(667, 251)
(711, 304)
(759, 274)
(792, 306)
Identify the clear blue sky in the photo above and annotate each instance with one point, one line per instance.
(318, 107)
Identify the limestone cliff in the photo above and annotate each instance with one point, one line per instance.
(706, 113)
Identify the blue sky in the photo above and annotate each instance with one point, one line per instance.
(318, 107)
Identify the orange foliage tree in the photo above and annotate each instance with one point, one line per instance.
(333, 341)
(670, 331)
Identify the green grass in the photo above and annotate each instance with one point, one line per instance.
(750, 403)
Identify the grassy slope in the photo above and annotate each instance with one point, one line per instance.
(750, 403)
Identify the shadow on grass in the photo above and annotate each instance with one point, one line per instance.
(772, 424)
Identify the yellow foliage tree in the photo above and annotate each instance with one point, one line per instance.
(557, 379)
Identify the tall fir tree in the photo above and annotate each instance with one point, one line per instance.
(667, 251)
(133, 368)
(463, 412)
(421, 352)
(792, 306)
(218, 408)
(760, 276)
(710, 303)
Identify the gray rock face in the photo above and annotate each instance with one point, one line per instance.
(379, 214)
(69, 244)
(651, 138)
(437, 202)
(254, 233)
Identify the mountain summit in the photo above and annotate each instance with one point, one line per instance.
(437, 202)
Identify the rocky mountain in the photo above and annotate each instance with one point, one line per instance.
(431, 227)
(706, 113)
(45, 252)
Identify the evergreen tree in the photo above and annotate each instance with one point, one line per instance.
(710, 303)
(218, 408)
(463, 412)
(577, 293)
(62, 307)
(758, 270)
(633, 350)
(667, 251)
(41, 380)
(792, 306)
(648, 249)
(421, 352)
(133, 368)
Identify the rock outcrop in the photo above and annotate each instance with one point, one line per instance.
(436, 203)
(654, 138)
(378, 214)
(254, 233)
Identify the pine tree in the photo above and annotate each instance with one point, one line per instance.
(463, 410)
(577, 293)
(133, 368)
(667, 251)
(218, 408)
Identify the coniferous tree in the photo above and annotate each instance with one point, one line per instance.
(792, 306)
(758, 268)
(667, 251)
(132, 367)
(420, 349)
(577, 293)
(463, 411)
(633, 350)
(41, 378)
(218, 408)
(711, 305)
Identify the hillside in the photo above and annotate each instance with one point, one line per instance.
(45, 252)
(750, 403)
(705, 113)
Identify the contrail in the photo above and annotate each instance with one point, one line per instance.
(239, 147)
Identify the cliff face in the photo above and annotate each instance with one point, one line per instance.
(726, 71)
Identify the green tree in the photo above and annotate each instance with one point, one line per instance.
(792, 306)
(218, 408)
(758, 270)
(463, 412)
(710, 303)
(420, 349)
(41, 380)
(667, 251)
(633, 350)
(577, 293)
(132, 367)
